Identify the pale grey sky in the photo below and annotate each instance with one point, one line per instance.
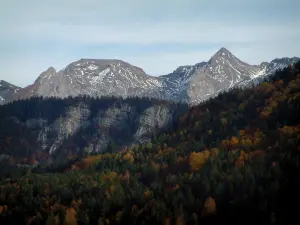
(156, 35)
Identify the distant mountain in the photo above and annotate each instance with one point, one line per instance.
(94, 78)
(197, 83)
(191, 84)
(6, 91)
(205, 79)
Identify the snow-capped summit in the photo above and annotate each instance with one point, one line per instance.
(221, 55)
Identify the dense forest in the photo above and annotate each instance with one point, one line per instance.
(234, 159)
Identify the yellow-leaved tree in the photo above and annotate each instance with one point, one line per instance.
(234, 141)
(128, 156)
(198, 159)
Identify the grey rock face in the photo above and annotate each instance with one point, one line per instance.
(51, 135)
(191, 84)
(124, 122)
(152, 119)
(6, 91)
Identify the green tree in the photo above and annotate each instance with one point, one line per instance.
(112, 147)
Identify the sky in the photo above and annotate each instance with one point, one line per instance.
(156, 35)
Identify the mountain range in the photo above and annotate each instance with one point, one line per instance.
(233, 159)
(110, 77)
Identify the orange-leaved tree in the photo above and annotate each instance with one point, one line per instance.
(209, 207)
(71, 216)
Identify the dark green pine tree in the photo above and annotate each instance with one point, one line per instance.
(112, 147)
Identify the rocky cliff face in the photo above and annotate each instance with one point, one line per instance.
(88, 125)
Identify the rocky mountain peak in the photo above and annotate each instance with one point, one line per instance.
(51, 70)
(264, 64)
(84, 67)
(93, 77)
(46, 74)
(221, 55)
(223, 51)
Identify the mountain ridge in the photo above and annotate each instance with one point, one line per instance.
(114, 77)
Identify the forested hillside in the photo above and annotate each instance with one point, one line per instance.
(42, 130)
(232, 160)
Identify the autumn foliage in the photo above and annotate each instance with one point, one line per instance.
(128, 156)
(198, 159)
(87, 162)
(71, 217)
